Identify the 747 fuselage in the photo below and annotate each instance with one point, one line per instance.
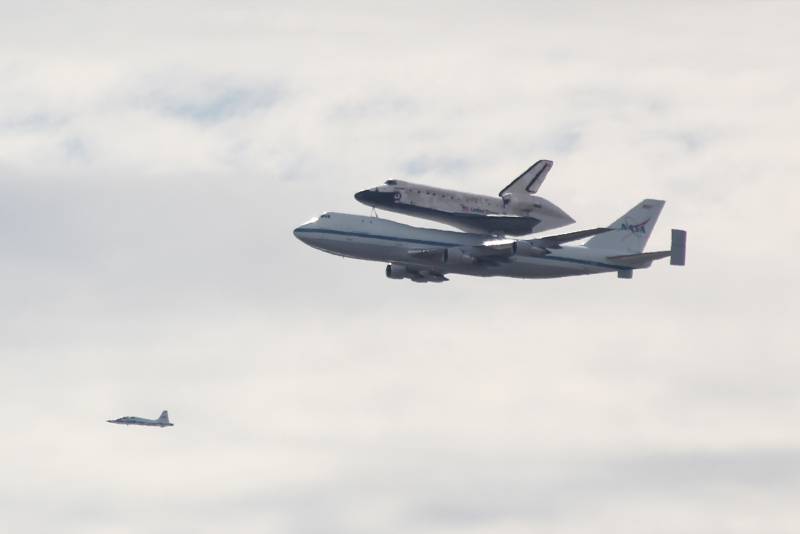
(427, 255)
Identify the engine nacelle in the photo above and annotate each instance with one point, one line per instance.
(397, 272)
(525, 249)
(456, 256)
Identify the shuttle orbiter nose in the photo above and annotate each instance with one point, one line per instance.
(373, 197)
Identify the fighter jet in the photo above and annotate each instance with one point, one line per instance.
(162, 421)
(515, 211)
(425, 255)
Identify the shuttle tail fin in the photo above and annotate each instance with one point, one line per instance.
(629, 233)
(164, 417)
(529, 181)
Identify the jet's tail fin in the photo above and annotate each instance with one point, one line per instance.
(629, 233)
(529, 181)
(164, 417)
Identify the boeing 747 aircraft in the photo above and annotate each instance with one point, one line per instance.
(425, 255)
(515, 211)
(162, 421)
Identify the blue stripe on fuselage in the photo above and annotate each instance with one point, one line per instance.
(442, 244)
(386, 238)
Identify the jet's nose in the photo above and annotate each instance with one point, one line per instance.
(300, 231)
(373, 197)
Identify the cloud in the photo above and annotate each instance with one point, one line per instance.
(153, 165)
(210, 101)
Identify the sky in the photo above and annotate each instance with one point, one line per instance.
(155, 157)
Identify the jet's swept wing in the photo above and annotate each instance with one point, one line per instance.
(428, 254)
(554, 241)
(491, 249)
(499, 250)
(529, 181)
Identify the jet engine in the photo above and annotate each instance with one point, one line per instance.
(526, 249)
(397, 272)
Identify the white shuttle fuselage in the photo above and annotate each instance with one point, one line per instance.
(515, 211)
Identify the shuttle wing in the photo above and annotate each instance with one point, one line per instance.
(491, 223)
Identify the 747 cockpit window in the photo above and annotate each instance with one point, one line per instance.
(391, 182)
(325, 216)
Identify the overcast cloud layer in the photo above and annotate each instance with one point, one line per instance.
(155, 158)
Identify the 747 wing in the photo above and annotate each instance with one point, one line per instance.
(500, 249)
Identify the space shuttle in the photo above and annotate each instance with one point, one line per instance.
(162, 421)
(516, 210)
